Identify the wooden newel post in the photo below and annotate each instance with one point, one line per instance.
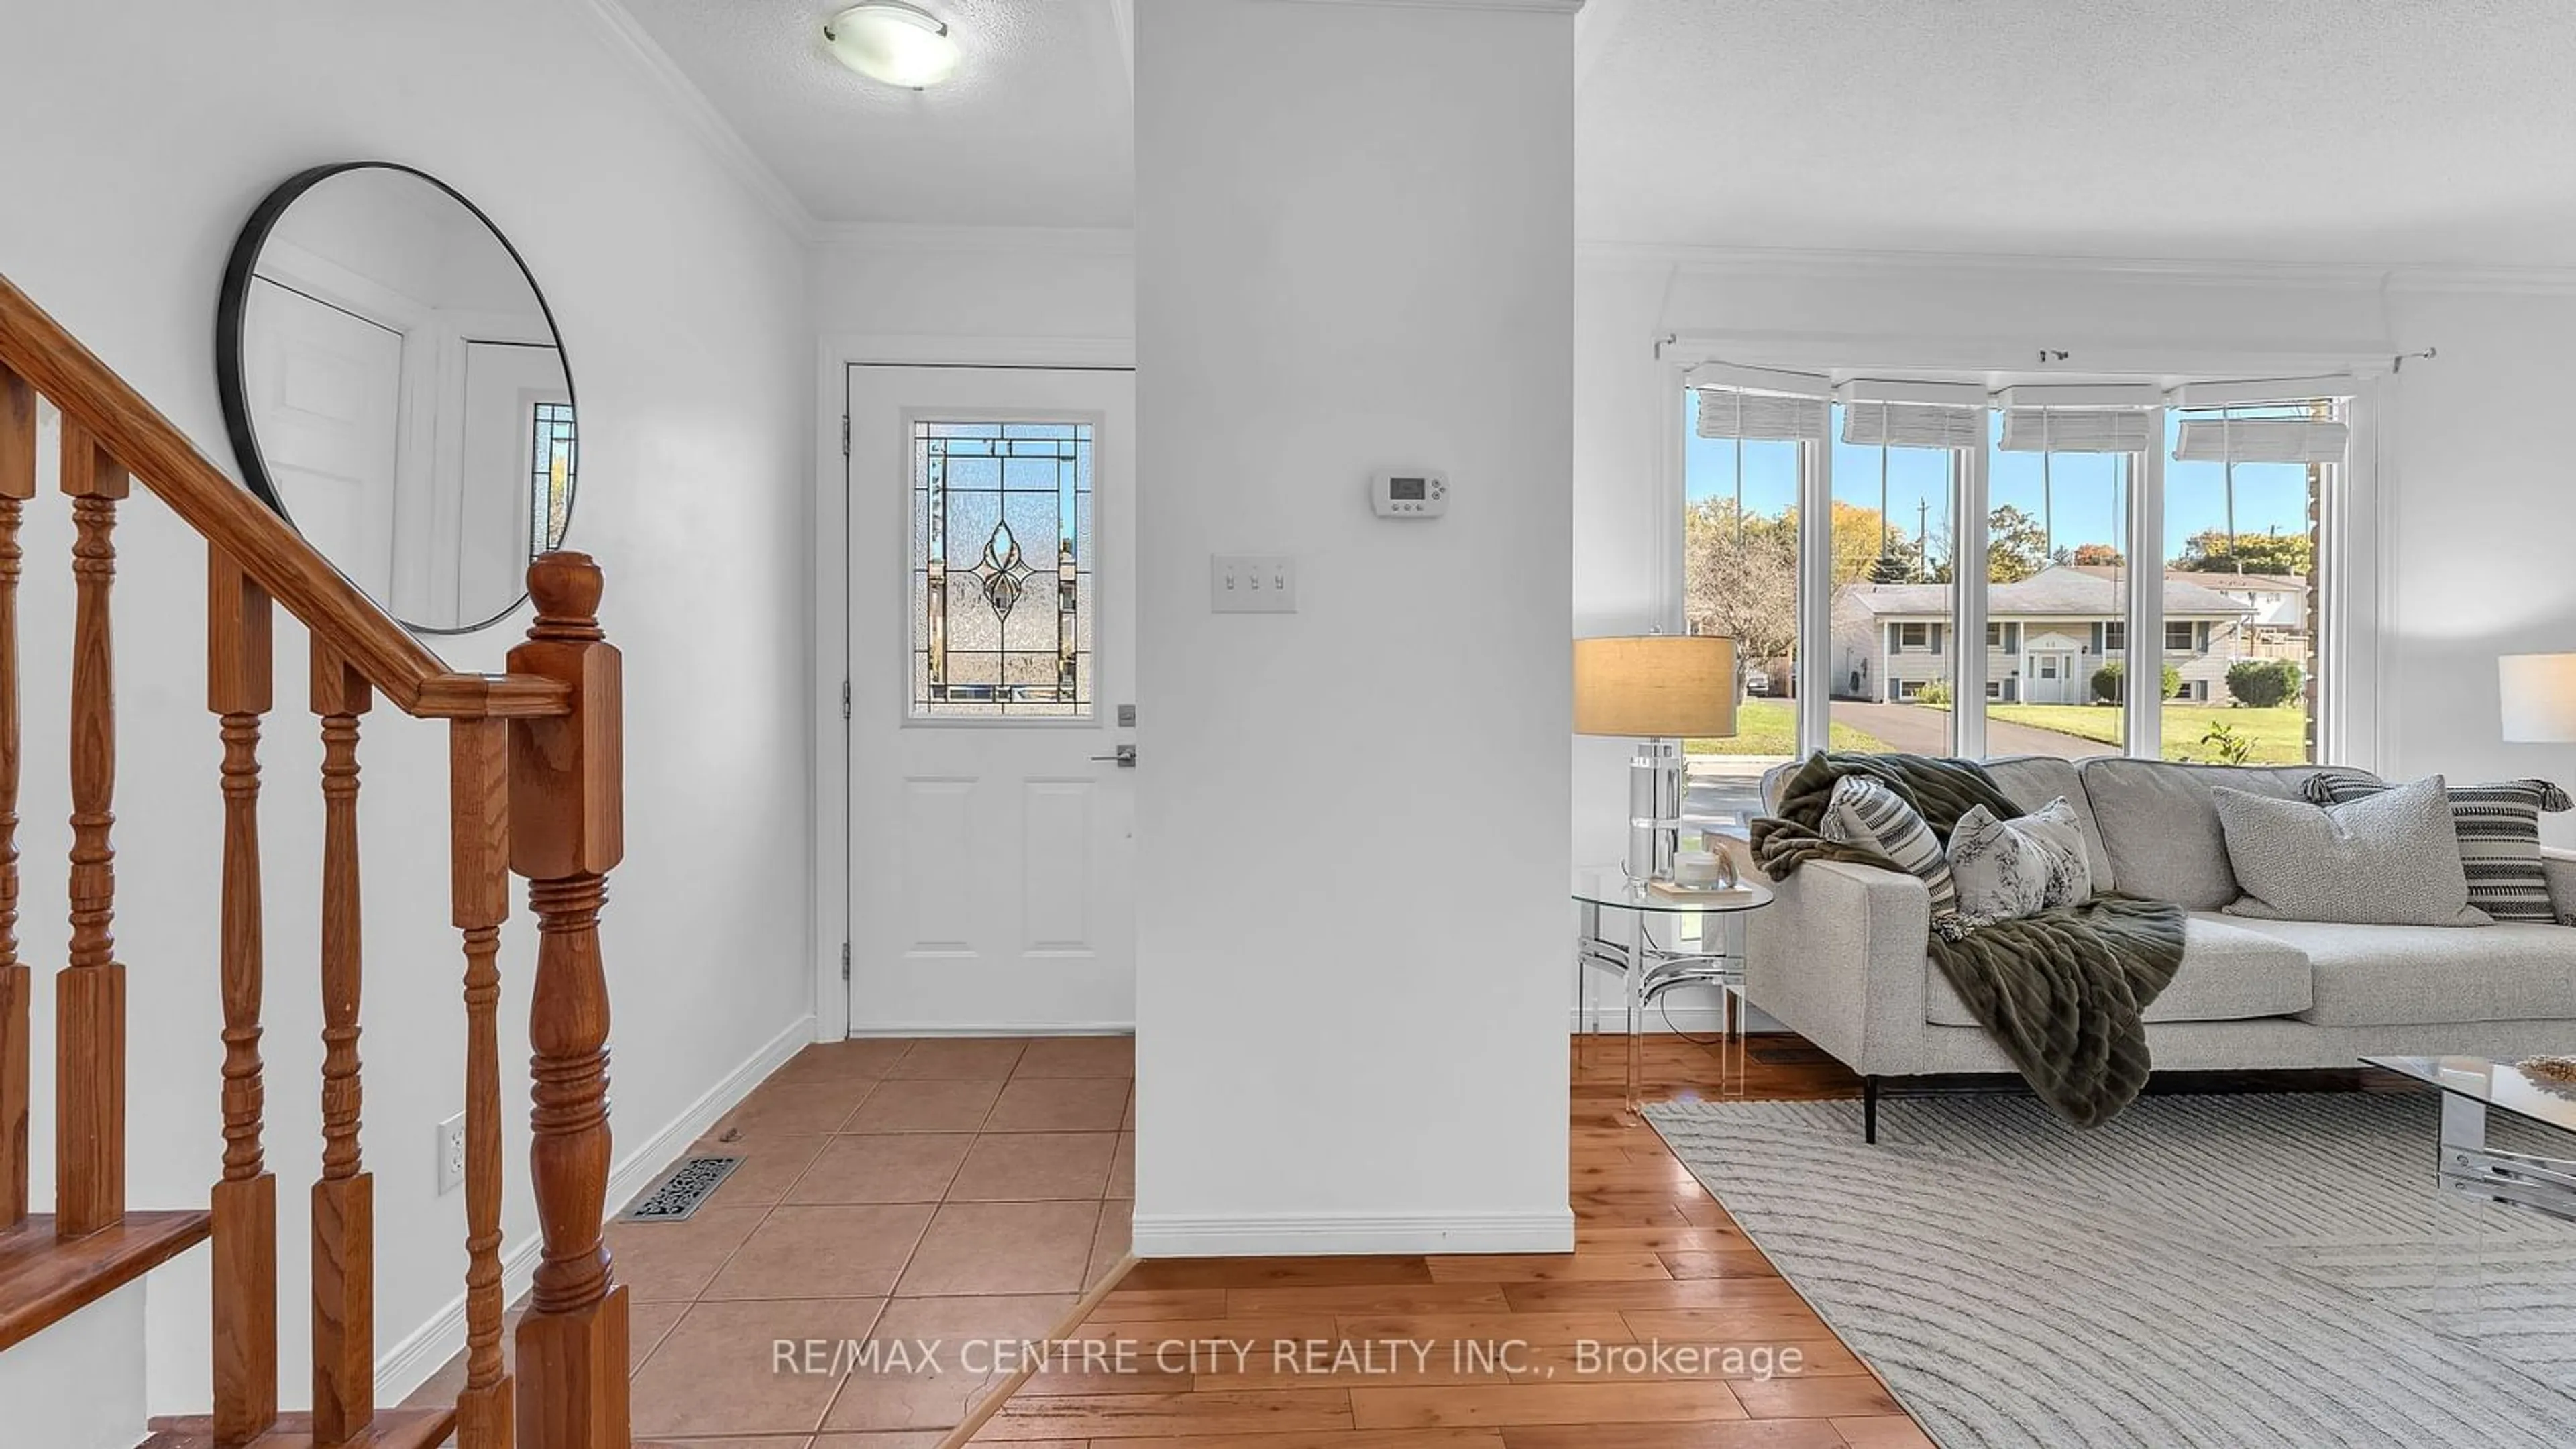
(567, 831)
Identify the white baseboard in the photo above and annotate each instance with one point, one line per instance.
(994, 1028)
(429, 1347)
(1292, 1235)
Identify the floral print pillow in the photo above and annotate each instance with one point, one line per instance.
(2007, 869)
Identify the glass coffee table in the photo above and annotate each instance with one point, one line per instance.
(1649, 967)
(2473, 1089)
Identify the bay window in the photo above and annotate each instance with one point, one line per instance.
(1853, 532)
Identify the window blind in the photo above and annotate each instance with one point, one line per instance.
(1913, 425)
(2077, 430)
(2261, 440)
(1726, 412)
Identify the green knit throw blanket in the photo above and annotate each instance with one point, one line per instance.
(2061, 992)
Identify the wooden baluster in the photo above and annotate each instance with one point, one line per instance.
(89, 992)
(344, 1352)
(240, 688)
(566, 832)
(17, 986)
(479, 799)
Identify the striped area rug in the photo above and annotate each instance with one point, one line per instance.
(2223, 1271)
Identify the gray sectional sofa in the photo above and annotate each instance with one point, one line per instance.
(1840, 958)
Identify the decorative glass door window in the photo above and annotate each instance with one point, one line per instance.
(550, 469)
(1001, 581)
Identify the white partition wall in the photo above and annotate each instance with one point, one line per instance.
(1354, 253)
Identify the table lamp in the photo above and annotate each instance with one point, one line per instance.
(1657, 689)
(2539, 692)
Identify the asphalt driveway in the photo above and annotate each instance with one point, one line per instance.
(1917, 730)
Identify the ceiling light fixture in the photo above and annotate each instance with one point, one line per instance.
(892, 42)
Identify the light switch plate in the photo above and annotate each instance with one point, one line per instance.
(1252, 583)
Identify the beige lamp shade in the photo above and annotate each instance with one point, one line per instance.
(1655, 686)
(2539, 697)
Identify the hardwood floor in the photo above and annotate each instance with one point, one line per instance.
(1407, 1352)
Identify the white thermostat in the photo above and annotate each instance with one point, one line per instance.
(1410, 495)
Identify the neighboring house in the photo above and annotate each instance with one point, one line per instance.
(2044, 636)
(2279, 628)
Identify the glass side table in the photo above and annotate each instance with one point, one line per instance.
(1649, 968)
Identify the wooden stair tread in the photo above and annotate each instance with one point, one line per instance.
(45, 1279)
(393, 1429)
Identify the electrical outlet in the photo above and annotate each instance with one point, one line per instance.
(1243, 583)
(451, 1154)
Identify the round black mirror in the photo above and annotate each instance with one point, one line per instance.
(396, 390)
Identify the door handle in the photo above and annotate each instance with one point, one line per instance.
(1124, 757)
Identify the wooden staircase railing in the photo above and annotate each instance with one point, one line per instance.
(534, 790)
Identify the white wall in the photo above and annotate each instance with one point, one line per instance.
(2468, 518)
(954, 281)
(1354, 247)
(2478, 530)
(133, 145)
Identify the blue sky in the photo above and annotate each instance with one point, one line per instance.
(2087, 505)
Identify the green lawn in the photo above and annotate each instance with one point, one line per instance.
(1770, 727)
(2279, 735)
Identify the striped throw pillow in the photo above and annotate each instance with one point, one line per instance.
(1864, 812)
(2498, 824)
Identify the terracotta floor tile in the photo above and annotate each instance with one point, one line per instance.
(646, 1325)
(770, 1163)
(717, 1372)
(1018, 1316)
(1003, 1247)
(1079, 1056)
(672, 1262)
(824, 1252)
(764, 1441)
(1111, 1240)
(1035, 1166)
(776, 1108)
(885, 1167)
(980, 1058)
(860, 1059)
(1127, 1122)
(974, 1342)
(925, 1106)
(898, 1439)
(1037, 1104)
(1122, 1168)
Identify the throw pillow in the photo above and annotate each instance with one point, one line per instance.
(2007, 869)
(2387, 859)
(2498, 828)
(1866, 813)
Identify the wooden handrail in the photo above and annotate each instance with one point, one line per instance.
(160, 457)
(537, 760)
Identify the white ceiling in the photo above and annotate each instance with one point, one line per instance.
(2425, 131)
(1037, 127)
(2439, 131)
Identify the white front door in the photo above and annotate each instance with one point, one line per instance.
(2052, 678)
(992, 646)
